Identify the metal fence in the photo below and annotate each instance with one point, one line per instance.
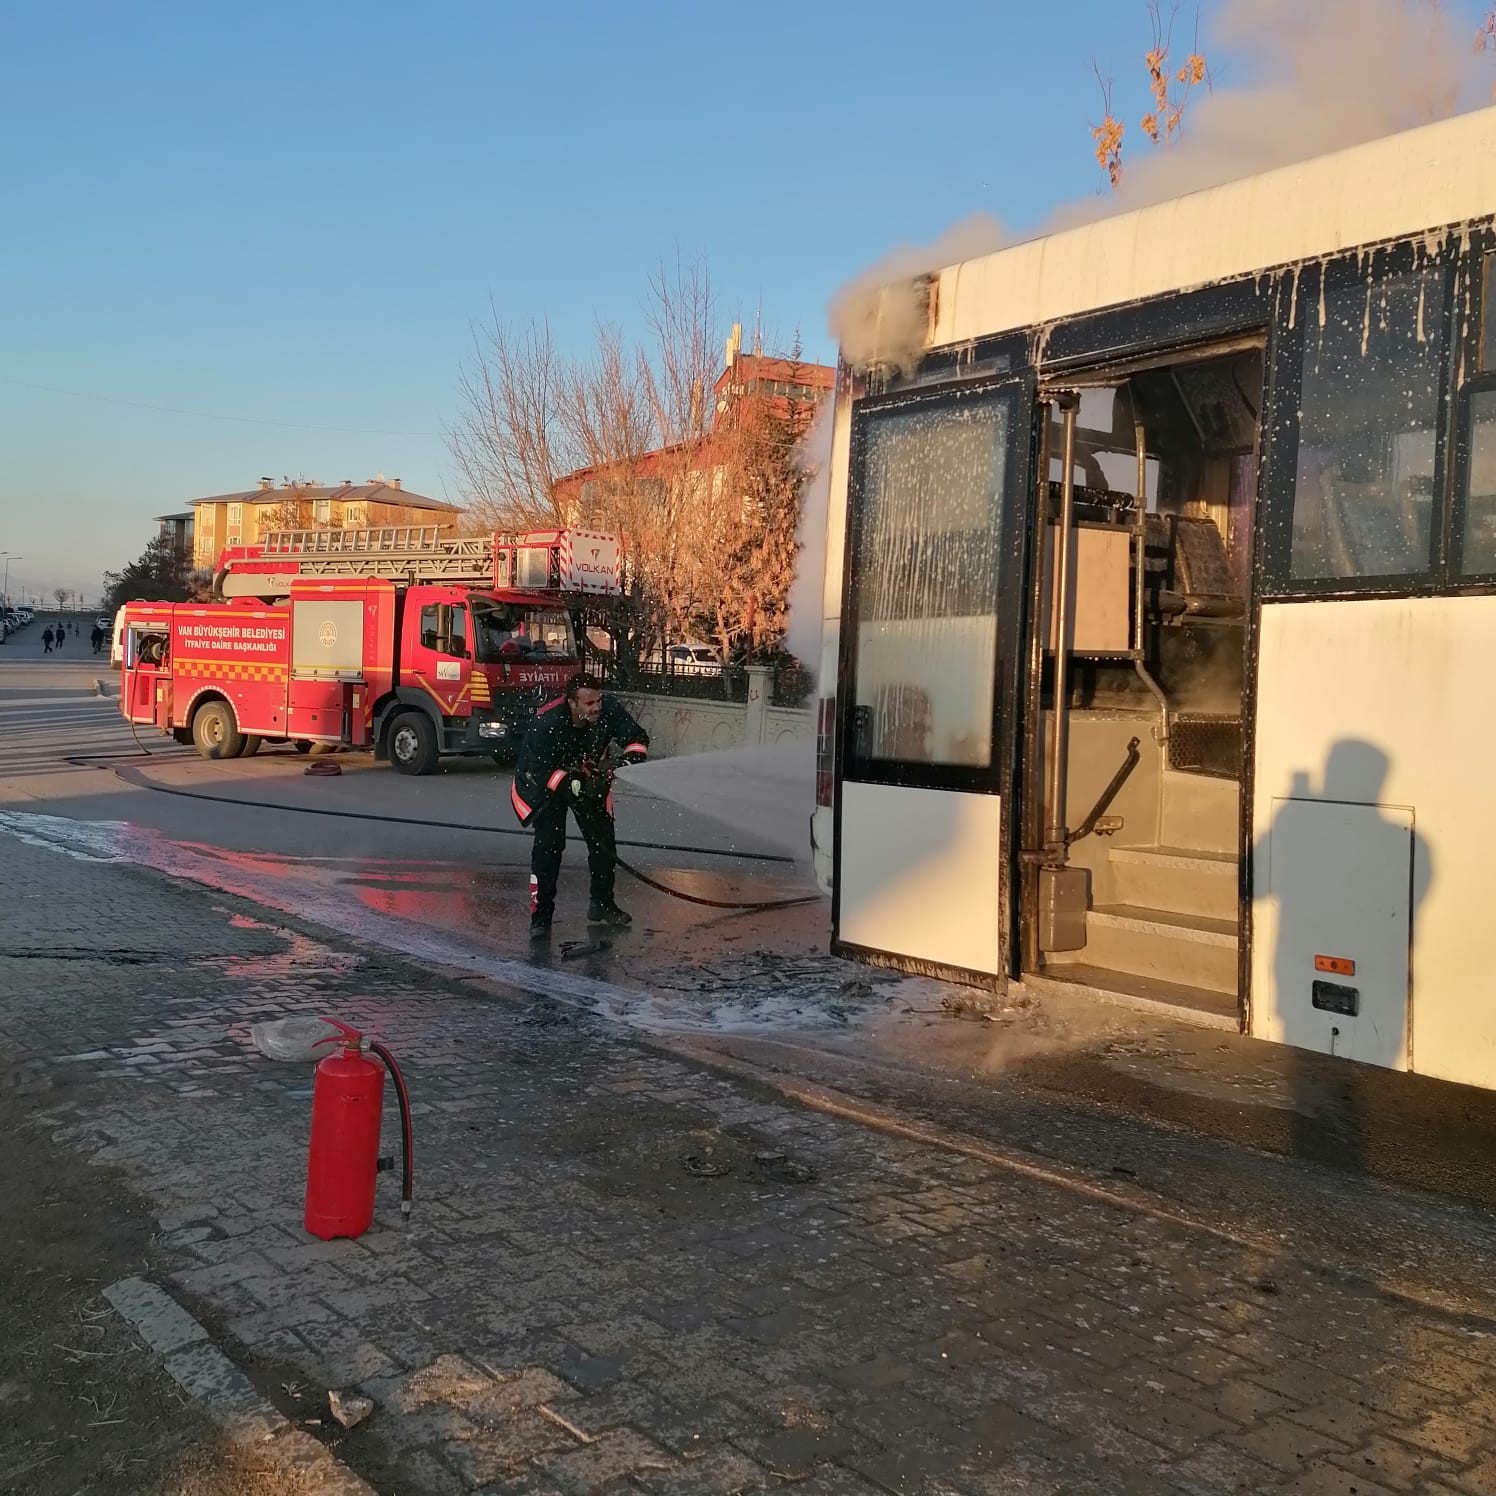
(789, 686)
(728, 684)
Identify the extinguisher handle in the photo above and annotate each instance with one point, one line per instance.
(352, 1038)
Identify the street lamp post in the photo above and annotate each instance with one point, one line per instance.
(5, 586)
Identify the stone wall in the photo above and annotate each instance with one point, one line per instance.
(677, 725)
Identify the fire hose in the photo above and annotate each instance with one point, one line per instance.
(691, 898)
(407, 1141)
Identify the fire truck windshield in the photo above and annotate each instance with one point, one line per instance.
(512, 632)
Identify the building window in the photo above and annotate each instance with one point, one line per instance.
(321, 511)
(1373, 373)
(928, 547)
(236, 514)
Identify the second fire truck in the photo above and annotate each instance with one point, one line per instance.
(396, 640)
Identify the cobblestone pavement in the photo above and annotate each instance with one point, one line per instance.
(626, 1273)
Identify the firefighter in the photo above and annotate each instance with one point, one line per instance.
(563, 766)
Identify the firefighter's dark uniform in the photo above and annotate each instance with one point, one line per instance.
(555, 753)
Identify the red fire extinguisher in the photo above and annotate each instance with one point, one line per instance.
(343, 1160)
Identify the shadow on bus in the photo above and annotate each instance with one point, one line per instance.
(1343, 875)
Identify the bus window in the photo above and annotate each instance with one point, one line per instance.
(1106, 453)
(1368, 423)
(1478, 553)
(926, 580)
(1488, 315)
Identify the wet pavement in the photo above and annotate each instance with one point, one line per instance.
(1059, 1140)
(625, 1271)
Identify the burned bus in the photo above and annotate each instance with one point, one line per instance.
(1160, 609)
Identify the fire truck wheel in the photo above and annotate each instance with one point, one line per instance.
(302, 745)
(251, 746)
(412, 743)
(215, 733)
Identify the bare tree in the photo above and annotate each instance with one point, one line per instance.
(616, 488)
(510, 442)
(290, 513)
(640, 417)
(627, 439)
(1485, 38)
(1169, 88)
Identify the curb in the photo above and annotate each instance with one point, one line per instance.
(223, 1391)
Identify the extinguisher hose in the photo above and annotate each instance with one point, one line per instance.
(407, 1176)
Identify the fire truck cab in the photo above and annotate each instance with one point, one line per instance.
(308, 647)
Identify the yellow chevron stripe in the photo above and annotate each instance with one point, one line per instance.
(229, 670)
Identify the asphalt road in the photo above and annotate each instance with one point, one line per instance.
(435, 866)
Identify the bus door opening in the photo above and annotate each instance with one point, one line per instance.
(1135, 731)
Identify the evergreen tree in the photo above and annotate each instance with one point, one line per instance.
(160, 574)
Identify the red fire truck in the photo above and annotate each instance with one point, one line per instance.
(398, 640)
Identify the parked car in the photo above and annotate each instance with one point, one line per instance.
(687, 657)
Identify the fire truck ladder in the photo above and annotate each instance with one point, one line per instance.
(397, 553)
(416, 553)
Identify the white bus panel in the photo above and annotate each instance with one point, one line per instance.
(919, 877)
(1389, 702)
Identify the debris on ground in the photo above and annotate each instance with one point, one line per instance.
(782, 1169)
(348, 1407)
(705, 1168)
(572, 950)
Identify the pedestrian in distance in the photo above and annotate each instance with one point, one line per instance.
(565, 766)
(96, 638)
(47, 640)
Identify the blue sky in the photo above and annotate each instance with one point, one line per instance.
(291, 213)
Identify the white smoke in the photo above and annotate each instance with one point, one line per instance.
(806, 611)
(879, 317)
(1318, 76)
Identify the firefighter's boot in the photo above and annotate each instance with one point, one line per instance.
(540, 926)
(599, 913)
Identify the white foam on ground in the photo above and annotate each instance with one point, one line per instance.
(86, 841)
